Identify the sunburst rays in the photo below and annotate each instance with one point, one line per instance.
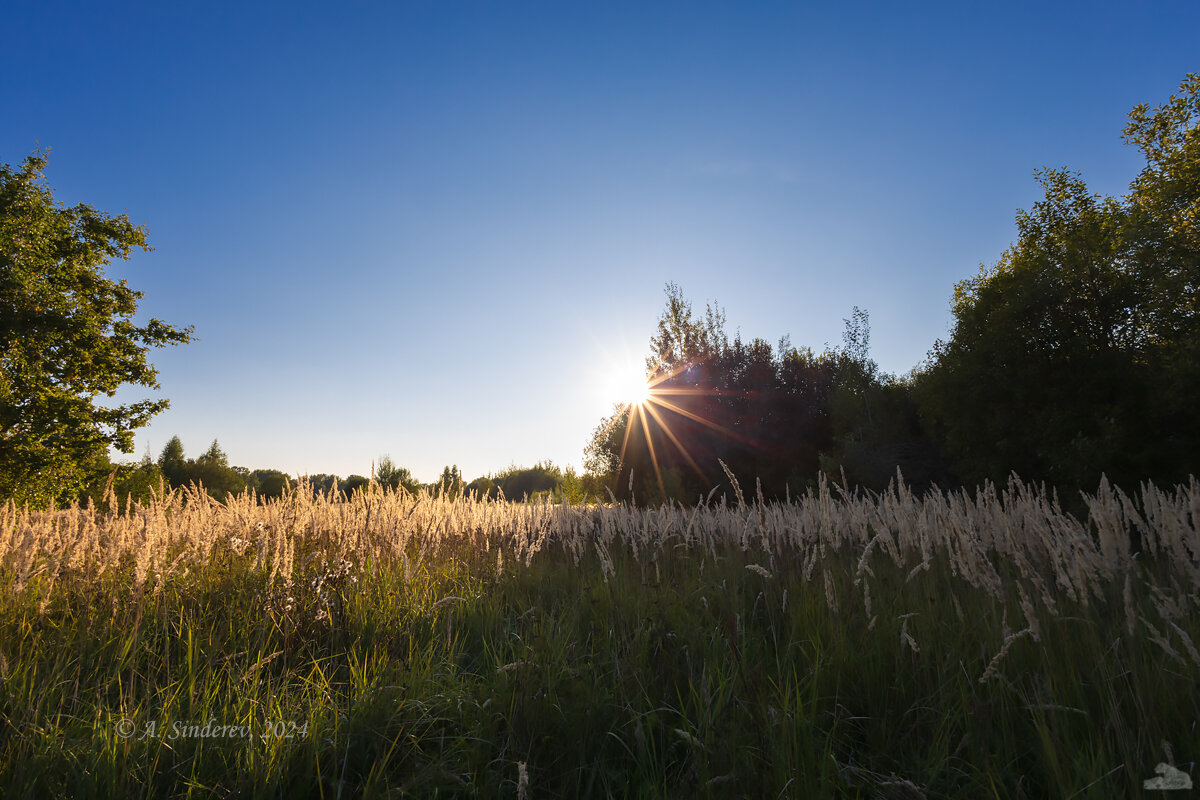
(653, 409)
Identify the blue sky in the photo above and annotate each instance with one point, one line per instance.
(434, 229)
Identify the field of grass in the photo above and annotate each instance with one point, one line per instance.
(846, 645)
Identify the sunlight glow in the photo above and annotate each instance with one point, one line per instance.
(628, 386)
(661, 404)
(645, 402)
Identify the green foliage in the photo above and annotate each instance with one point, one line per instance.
(450, 484)
(761, 412)
(211, 470)
(269, 483)
(481, 487)
(1078, 353)
(220, 480)
(173, 463)
(575, 488)
(521, 482)
(542, 480)
(67, 337)
(323, 482)
(126, 481)
(394, 477)
(601, 454)
(353, 484)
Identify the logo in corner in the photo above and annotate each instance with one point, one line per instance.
(1168, 778)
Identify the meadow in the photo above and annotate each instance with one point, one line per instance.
(840, 644)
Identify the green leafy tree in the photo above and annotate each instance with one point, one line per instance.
(544, 479)
(322, 482)
(212, 471)
(67, 338)
(518, 483)
(522, 482)
(573, 487)
(173, 463)
(857, 372)
(601, 455)
(395, 477)
(450, 484)
(122, 481)
(270, 483)
(1078, 353)
(352, 484)
(482, 487)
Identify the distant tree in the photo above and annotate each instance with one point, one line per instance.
(575, 488)
(136, 481)
(214, 455)
(482, 487)
(173, 463)
(67, 337)
(521, 482)
(601, 455)
(857, 372)
(270, 483)
(212, 471)
(323, 482)
(352, 484)
(450, 484)
(1078, 353)
(221, 480)
(544, 479)
(394, 477)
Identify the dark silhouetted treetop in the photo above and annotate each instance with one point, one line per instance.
(1078, 353)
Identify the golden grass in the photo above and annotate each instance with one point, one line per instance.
(1011, 542)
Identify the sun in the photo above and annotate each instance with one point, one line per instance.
(637, 391)
(627, 385)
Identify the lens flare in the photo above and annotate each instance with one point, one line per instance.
(637, 392)
(627, 385)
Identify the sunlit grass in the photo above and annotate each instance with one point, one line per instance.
(944, 646)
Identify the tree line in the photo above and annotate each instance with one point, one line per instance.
(212, 473)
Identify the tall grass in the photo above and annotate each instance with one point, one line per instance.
(842, 643)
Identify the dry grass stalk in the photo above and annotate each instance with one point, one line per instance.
(445, 601)
(993, 666)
